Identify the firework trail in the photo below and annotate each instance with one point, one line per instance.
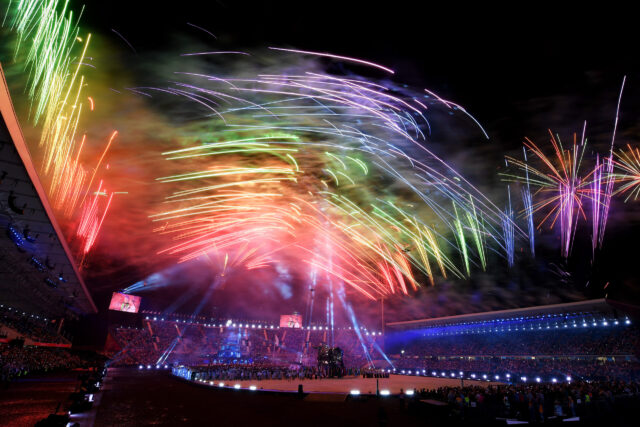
(596, 209)
(528, 207)
(609, 180)
(508, 230)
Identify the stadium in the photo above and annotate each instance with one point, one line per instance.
(230, 220)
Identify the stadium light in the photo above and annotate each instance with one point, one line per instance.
(252, 388)
(569, 379)
(140, 366)
(385, 392)
(409, 392)
(524, 379)
(210, 382)
(434, 373)
(627, 322)
(221, 384)
(148, 366)
(538, 379)
(497, 377)
(553, 380)
(508, 375)
(354, 392)
(237, 386)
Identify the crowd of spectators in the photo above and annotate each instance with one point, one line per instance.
(30, 326)
(535, 403)
(17, 361)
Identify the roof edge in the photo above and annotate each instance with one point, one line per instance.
(513, 311)
(17, 137)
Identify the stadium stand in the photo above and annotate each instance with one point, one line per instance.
(543, 344)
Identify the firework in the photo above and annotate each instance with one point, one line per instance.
(628, 172)
(299, 164)
(561, 187)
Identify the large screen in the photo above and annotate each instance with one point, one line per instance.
(124, 302)
(291, 321)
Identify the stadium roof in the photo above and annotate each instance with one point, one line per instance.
(37, 270)
(588, 306)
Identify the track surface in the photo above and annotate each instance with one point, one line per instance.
(131, 398)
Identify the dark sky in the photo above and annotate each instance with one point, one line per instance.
(519, 70)
(486, 58)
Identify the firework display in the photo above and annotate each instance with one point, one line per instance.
(292, 168)
(565, 185)
(297, 162)
(562, 188)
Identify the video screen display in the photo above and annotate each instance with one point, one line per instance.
(291, 321)
(124, 302)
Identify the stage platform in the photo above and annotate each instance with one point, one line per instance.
(395, 384)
